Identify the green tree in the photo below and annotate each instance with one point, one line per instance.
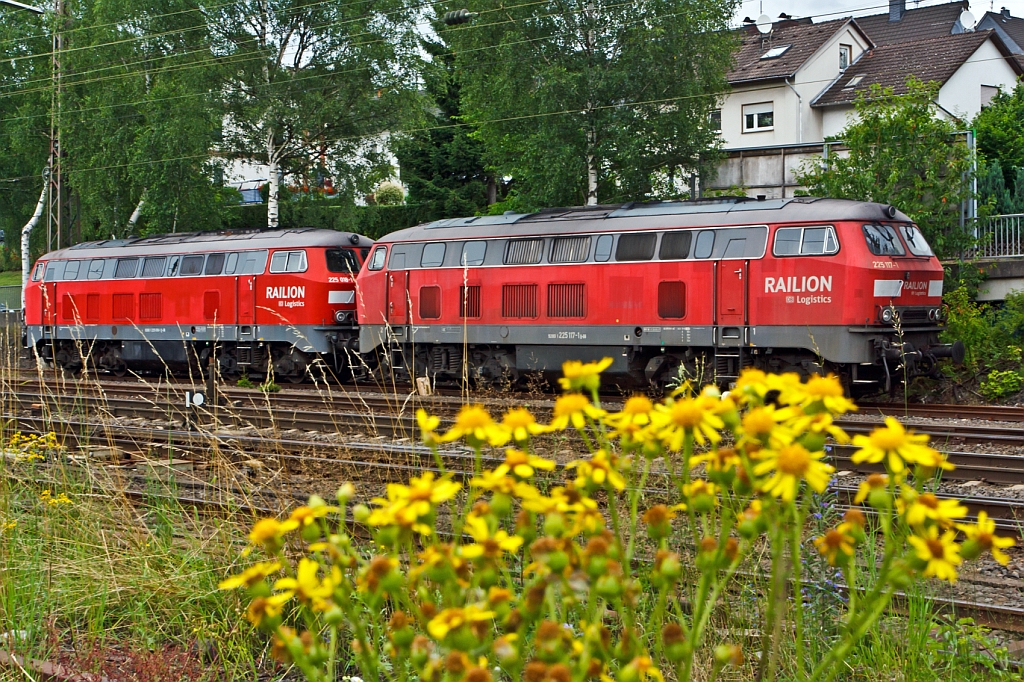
(311, 88)
(1000, 130)
(588, 100)
(443, 165)
(900, 153)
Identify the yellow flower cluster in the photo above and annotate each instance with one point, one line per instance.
(51, 500)
(741, 468)
(30, 447)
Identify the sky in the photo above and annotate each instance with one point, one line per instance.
(833, 9)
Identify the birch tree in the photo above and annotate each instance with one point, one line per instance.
(581, 101)
(312, 87)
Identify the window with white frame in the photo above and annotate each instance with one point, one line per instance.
(845, 56)
(988, 92)
(758, 117)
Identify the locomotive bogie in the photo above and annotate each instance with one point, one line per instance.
(255, 302)
(665, 290)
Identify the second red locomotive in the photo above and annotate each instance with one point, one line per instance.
(667, 289)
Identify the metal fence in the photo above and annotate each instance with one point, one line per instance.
(10, 298)
(1000, 236)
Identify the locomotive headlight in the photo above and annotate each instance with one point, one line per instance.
(341, 317)
(931, 314)
(938, 314)
(886, 315)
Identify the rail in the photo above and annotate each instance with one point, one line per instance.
(1000, 236)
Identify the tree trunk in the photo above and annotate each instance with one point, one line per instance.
(591, 168)
(273, 209)
(26, 233)
(492, 191)
(137, 212)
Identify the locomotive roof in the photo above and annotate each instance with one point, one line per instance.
(652, 215)
(221, 240)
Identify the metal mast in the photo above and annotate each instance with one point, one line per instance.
(55, 214)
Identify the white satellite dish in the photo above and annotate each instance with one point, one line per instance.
(967, 20)
(764, 23)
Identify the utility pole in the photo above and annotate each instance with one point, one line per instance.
(55, 215)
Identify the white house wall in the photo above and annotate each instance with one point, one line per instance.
(961, 94)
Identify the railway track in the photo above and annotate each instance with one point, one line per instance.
(1001, 413)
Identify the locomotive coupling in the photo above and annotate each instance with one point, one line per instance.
(955, 351)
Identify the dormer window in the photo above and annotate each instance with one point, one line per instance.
(845, 56)
(776, 52)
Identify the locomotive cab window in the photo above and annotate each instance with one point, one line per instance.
(96, 268)
(433, 255)
(126, 268)
(377, 260)
(635, 247)
(705, 244)
(473, 253)
(675, 245)
(603, 250)
(172, 267)
(71, 269)
(54, 270)
(882, 240)
(214, 264)
(192, 265)
(231, 264)
(915, 240)
(342, 260)
(288, 261)
(38, 273)
(805, 241)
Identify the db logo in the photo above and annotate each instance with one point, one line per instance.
(790, 299)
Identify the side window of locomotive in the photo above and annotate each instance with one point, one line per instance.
(231, 264)
(126, 268)
(251, 263)
(37, 274)
(192, 265)
(54, 270)
(882, 240)
(523, 251)
(473, 253)
(818, 241)
(71, 269)
(675, 245)
(569, 250)
(377, 259)
(705, 244)
(342, 260)
(96, 268)
(172, 267)
(603, 250)
(634, 247)
(787, 241)
(214, 264)
(154, 267)
(433, 255)
(288, 261)
(915, 240)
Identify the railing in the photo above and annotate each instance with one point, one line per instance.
(10, 298)
(1001, 236)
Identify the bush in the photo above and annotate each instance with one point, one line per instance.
(517, 577)
(992, 336)
(389, 194)
(1001, 384)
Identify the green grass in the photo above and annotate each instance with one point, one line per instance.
(10, 278)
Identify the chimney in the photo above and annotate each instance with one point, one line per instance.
(1006, 13)
(897, 8)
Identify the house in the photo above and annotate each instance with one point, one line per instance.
(796, 84)
(1009, 28)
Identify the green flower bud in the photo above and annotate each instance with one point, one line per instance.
(608, 586)
(260, 589)
(879, 498)
(628, 673)
(676, 651)
(387, 536)
(345, 493)
(597, 566)
(360, 513)
(334, 616)
(311, 533)
(814, 442)
(749, 529)
(554, 525)
(702, 504)
(501, 505)
(557, 561)
(971, 549)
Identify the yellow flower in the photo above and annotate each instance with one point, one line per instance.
(940, 554)
(696, 416)
(818, 392)
(642, 668)
(520, 424)
(873, 482)
(422, 492)
(306, 516)
(561, 500)
(836, 545)
(597, 471)
(718, 460)
(438, 562)
(474, 423)
(917, 509)
(428, 426)
(580, 376)
(250, 576)
(752, 385)
(306, 586)
(268, 532)
(454, 618)
(262, 608)
(791, 465)
(895, 445)
(635, 415)
(487, 545)
(983, 534)
(819, 423)
(523, 465)
(498, 482)
(573, 408)
(761, 422)
(698, 487)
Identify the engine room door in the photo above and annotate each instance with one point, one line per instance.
(398, 297)
(731, 294)
(246, 300)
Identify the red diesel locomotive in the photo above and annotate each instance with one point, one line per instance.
(666, 289)
(259, 300)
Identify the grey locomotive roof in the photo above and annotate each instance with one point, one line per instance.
(202, 242)
(654, 215)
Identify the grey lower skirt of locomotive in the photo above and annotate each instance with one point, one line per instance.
(292, 354)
